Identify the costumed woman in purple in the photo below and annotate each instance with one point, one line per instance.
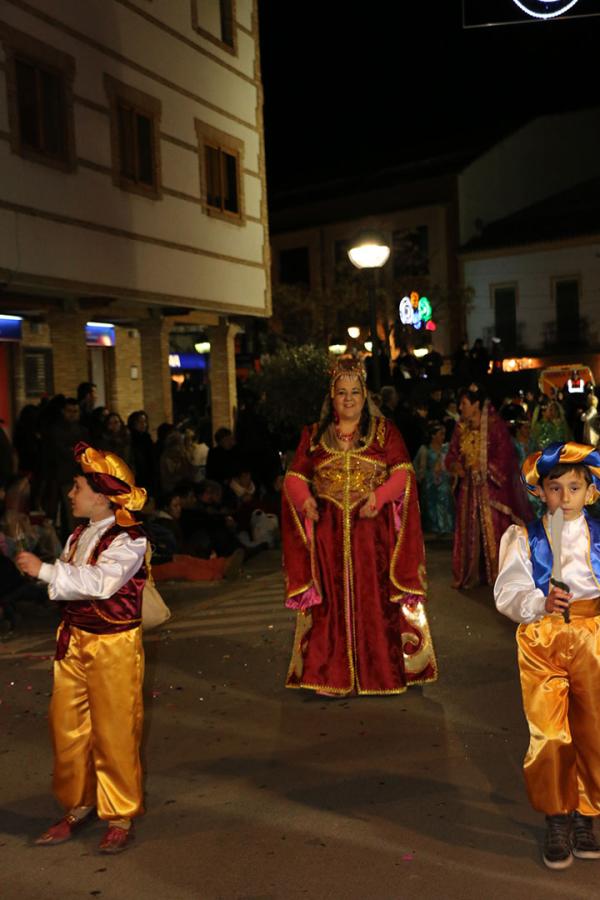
(353, 551)
(96, 712)
(489, 496)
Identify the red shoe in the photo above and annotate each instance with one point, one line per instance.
(116, 839)
(60, 832)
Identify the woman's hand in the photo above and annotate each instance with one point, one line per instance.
(28, 563)
(369, 508)
(557, 600)
(310, 509)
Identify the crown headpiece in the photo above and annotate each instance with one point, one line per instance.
(348, 367)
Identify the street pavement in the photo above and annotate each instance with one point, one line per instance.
(255, 792)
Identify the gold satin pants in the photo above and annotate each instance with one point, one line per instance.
(96, 718)
(560, 680)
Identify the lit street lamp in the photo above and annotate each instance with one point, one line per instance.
(369, 251)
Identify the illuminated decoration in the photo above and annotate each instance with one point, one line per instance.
(576, 387)
(425, 310)
(516, 365)
(369, 346)
(420, 352)
(354, 332)
(11, 328)
(337, 349)
(202, 347)
(187, 361)
(416, 311)
(100, 334)
(406, 311)
(545, 9)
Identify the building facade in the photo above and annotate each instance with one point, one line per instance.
(437, 208)
(132, 193)
(535, 278)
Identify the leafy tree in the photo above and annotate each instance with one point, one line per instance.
(292, 385)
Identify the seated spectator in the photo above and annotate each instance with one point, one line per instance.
(175, 465)
(220, 462)
(197, 453)
(170, 563)
(24, 531)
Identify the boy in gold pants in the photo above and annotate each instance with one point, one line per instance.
(558, 642)
(96, 712)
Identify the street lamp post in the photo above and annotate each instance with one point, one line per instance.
(369, 251)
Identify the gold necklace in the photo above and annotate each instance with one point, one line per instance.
(345, 438)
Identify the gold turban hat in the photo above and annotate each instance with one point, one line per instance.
(113, 478)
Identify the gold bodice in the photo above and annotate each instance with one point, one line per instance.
(348, 478)
(469, 447)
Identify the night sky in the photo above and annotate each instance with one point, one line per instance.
(353, 87)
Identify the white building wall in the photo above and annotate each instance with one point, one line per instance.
(533, 272)
(548, 155)
(79, 228)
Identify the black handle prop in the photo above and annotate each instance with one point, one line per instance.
(563, 587)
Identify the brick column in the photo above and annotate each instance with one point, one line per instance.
(156, 377)
(125, 383)
(69, 351)
(223, 391)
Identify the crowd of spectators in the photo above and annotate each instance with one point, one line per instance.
(211, 504)
(214, 500)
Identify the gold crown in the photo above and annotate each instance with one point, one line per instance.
(348, 367)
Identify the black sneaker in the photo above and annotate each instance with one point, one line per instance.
(557, 845)
(583, 839)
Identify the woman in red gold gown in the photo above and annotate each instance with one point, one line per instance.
(353, 552)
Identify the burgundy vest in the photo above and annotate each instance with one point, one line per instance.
(121, 612)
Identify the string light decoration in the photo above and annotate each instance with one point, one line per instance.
(545, 9)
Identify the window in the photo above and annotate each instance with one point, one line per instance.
(411, 252)
(40, 100)
(215, 20)
(343, 268)
(294, 266)
(566, 295)
(37, 365)
(505, 316)
(221, 164)
(227, 22)
(135, 139)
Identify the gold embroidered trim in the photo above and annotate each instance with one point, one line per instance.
(295, 516)
(298, 475)
(333, 451)
(114, 621)
(405, 465)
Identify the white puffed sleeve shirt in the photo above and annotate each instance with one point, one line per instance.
(515, 592)
(76, 580)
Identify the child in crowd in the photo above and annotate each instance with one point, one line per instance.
(558, 642)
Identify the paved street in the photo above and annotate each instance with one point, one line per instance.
(258, 793)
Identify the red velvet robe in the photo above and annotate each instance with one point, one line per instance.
(359, 584)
